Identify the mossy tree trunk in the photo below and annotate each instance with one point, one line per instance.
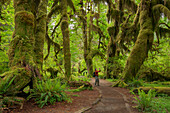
(40, 32)
(113, 32)
(21, 51)
(66, 40)
(111, 50)
(143, 43)
(86, 39)
(89, 58)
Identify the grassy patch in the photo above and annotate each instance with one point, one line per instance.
(162, 103)
(155, 85)
(112, 80)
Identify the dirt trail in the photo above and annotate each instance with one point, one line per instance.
(112, 101)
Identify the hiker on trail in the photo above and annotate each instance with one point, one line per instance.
(97, 77)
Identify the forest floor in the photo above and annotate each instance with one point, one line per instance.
(102, 99)
(113, 100)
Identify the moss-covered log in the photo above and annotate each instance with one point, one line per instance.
(151, 75)
(143, 43)
(159, 90)
(66, 40)
(79, 83)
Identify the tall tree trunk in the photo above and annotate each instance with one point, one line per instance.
(142, 44)
(21, 51)
(66, 40)
(40, 32)
(111, 48)
(86, 40)
(89, 59)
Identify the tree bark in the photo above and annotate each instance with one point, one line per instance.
(21, 51)
(111, 48)
(66, 40)
(40, 33)
(89, 59)
(142, 44)
(86, 40)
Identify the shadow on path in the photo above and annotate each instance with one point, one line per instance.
(111, 101)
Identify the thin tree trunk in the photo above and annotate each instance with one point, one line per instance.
(89, 59)
(66, 40)
(142, 44)
(87, 49)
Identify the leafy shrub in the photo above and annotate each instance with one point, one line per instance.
(80, 78)
(48, 92)
(135, 83)
(144, 100)
(8, 97)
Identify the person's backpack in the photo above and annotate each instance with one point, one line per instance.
(94, 74)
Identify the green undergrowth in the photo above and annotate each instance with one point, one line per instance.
(81, 88)
(148, 103)
(48, 92)
(158, 84)
(80, 78)
(162, 104)
(9, 98)
(112, 80)
(143, 100)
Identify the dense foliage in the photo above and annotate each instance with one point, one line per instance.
(68, 39)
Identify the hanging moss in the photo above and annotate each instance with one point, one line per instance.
(130, 5)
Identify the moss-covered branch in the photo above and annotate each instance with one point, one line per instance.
(97, 29)
(157, 9)
(70, 3)
(56, 27)
(55, 9)
(93, 53)
(165, 90)
(50, 42)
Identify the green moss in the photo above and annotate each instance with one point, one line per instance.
(22, 78)
(119, 83)
(159, 8)
(26, 17)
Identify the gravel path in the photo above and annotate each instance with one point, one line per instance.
(111, 101)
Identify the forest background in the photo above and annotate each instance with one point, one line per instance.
(127, 39)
